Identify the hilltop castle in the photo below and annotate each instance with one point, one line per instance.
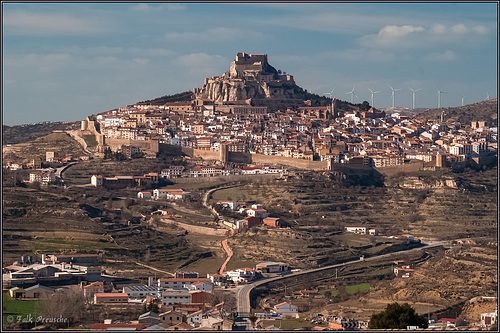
(250, 78)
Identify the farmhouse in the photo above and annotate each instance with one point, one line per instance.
(357, 229)
(271, 267)
(287, 310)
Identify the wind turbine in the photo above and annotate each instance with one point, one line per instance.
(413, 93)
(352, 93)
(392, 95)
(463, 97)
(373, 93)
(439, 97)
(487, 96)
(331, 92)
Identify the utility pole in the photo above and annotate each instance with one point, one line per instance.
(336, 272)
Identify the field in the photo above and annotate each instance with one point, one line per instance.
(15, 311)
(286, 324)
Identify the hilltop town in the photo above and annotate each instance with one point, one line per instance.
(251, 204)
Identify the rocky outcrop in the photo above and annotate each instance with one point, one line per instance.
(250, 77)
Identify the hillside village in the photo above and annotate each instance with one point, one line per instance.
(227, 132)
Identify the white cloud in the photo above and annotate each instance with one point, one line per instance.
(140, 61)
(438, 29)
(143, 7)
(200, 60)
(459, 28)
(445, 56)
(365, 55)
(480, 29)
(21, 22)
(393, 36)
(106, 60)
(411, 36)
(391, 32)
(219, 34)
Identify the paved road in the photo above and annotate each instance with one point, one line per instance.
(60, 170)
(243, 294)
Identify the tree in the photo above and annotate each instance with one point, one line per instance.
(365, 106)
(68, 305)
(397, 316)
(253, 319)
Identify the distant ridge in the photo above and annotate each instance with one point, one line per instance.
(481, 111)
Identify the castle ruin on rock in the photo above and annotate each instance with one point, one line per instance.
(250, 79)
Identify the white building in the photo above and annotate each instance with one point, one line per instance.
(194, 319)
(180, 283)
(489, 319)
(171, 296)
(357, 229)
(97, 180)
(241, 275)
(286, 309)
(272, 267)
(202, 286)
(144, 195)
(138, 292)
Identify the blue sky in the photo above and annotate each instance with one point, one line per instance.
(64, 61)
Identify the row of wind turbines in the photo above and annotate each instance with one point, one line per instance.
(393, 95)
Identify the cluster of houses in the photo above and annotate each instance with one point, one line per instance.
(181, 317)
(36, 162)
(57, 269)
(124, 181)
(302, 133)
(176, 171)
(165, 194)
(179, 171)
(182, 299)
(403, 269)
(255, 215)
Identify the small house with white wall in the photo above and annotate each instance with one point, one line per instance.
(286, 309)
(357, 229)
(202, 286)
(144, 195)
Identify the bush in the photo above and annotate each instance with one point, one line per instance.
(397, 316)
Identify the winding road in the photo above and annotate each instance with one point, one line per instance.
(243, 294)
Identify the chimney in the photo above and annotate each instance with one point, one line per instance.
(150, 281)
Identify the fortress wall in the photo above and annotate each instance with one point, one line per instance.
(411, 167)
(261, 159)
(293, 162)
(170, 149)
(116, 144)
(206, 154)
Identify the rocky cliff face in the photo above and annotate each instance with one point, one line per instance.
(250, 77)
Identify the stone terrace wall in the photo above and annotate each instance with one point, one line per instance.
(262, 159)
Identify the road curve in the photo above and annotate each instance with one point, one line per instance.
(243, 294)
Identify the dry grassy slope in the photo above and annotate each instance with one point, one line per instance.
(467, 207)
(25, 133)
(485, 110)
(41, 222)
(59, 142)
(443, 282)
(30, 215)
